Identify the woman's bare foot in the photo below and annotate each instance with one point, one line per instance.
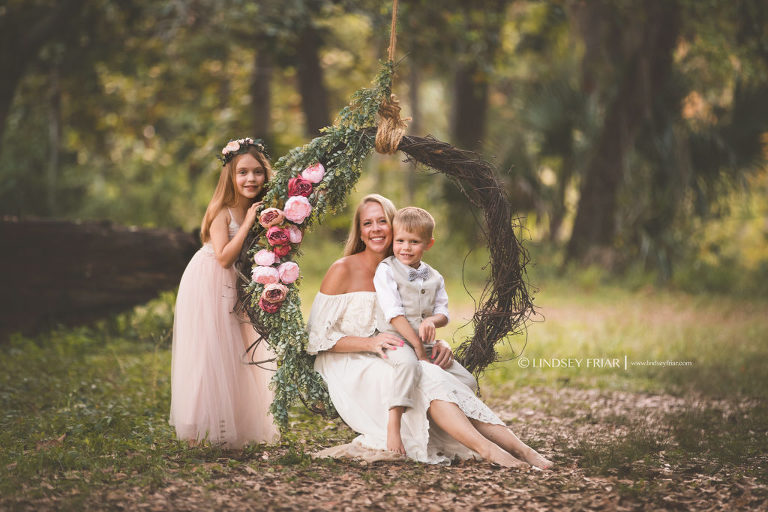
(536, 460)
(497, 455)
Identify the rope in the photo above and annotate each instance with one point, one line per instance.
(391, 128)
(393, 32)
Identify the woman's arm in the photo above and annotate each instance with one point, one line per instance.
(377, 344)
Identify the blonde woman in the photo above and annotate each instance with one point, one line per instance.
(342, 332)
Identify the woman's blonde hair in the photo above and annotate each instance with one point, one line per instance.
(226, 195)
(354, 244)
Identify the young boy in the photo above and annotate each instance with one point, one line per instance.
(413, 303)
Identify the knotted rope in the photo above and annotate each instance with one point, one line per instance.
(391, 128)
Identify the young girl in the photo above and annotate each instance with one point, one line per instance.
(215, 395)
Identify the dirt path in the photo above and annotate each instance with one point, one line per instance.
(582, 430)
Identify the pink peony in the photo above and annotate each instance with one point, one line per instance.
(277, 236)
(274, 292)
(271, 217)
(265, 275)
(299, 187)
(314, 173)
(297, 208)
(294, 234)
(289, 272)
(282, 250)
(265, 258)
(269, 307)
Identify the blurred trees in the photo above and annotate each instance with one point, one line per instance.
(618, 126)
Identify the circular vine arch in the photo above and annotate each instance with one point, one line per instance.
(372, 116)
(505, 304)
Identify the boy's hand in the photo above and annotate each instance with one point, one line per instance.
(427, 330)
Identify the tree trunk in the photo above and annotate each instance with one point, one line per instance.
(470, 100)
(23, 31)
(314, 97)
(470, 104)
(261, 94)
(414, 81)
(57, 271)
(54, 139)
(649, 66)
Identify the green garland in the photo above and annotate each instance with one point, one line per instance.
(341, 150)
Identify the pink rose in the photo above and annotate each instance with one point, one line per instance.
(282, 250)
(314, 173)
(265, 258)
(297, 208)
(289, 272)
(294, 234)
(271, 217)
(269, 307)
(265, 275)
(278, 236)
(274, 292)
(299, 187)
(231, 146)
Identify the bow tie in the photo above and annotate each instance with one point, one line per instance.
(422, 273)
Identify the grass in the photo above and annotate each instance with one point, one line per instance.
(86, 408)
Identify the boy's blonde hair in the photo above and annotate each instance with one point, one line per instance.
(414, 220)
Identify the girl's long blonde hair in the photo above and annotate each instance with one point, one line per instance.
(354, 244)
(226, 195)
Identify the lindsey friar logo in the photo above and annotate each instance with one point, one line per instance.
(573, 362)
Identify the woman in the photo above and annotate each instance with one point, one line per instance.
(342, 334)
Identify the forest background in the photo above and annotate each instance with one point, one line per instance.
(630, 136)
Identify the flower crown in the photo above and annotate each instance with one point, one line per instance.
(240, 146)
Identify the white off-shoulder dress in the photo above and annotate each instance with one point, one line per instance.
(359, 384)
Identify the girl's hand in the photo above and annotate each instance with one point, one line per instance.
(383, 342)
(251, 214)
(442, 355)
(427, 331)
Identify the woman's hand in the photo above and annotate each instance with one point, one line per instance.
(383, 342)
(251, 214)
(442, 355)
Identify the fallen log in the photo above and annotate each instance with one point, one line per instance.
(57, 271)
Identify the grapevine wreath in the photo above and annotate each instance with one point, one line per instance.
(314, 180)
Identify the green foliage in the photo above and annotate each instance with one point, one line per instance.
(149, 92)
(342, 149)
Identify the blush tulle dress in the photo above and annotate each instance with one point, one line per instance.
(215, 395)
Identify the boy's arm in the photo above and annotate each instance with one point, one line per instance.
(439, 317)
(429, 325)
(406, 331)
